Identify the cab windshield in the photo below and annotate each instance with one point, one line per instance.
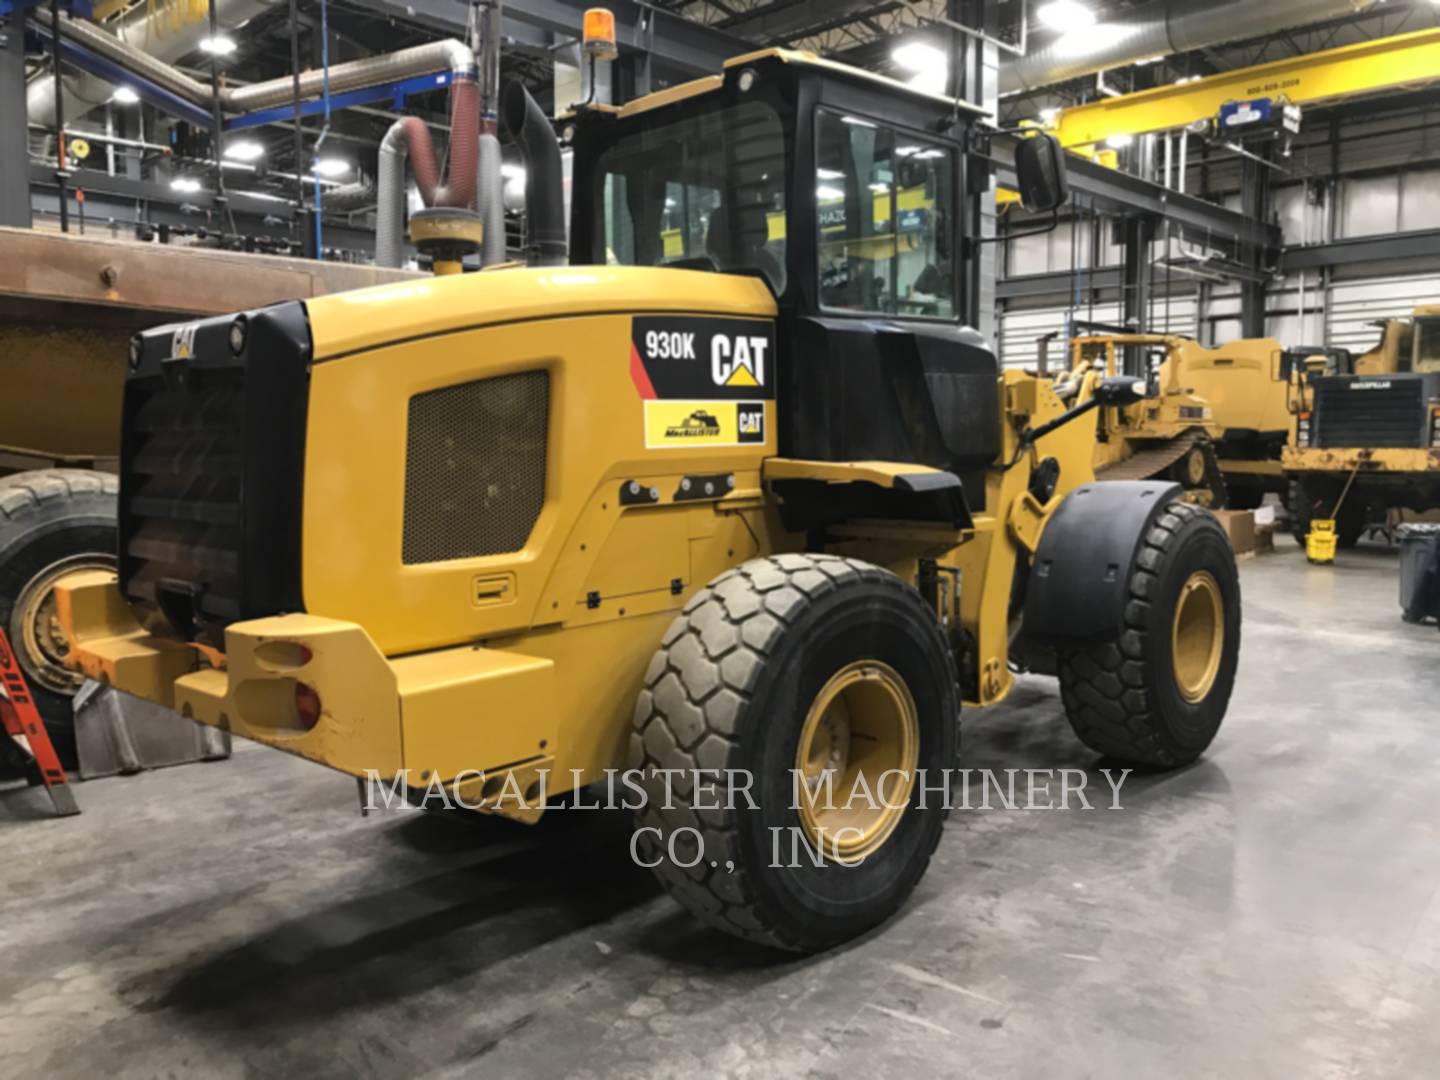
(705, 192)
(1427, 346)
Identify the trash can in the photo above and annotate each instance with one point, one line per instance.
(1419, 571)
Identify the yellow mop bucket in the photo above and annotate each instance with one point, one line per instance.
(1321, 544)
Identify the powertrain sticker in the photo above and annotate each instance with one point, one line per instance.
(686, 425)
(698, 359)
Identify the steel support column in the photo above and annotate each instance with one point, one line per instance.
(1136, 282)
(1255, 202)
(14, 155)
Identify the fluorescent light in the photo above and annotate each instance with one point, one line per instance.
(186, 184)
(930, 81)
(217, 45)
(918, 56)
(1065, 16)
(828, 194)
(1119, 142)
(1049, 116)
(836, 174)
(244, 150)
(125, 95)
(330, 167)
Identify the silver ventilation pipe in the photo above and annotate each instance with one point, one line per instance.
(1164, 28)
(390, 207)
(489, 181)
(145, 34)
(451, 55)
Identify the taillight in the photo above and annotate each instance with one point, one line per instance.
(1435, 428)
(307, 706)
(1302, 430)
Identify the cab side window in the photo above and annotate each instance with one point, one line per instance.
(884, 201)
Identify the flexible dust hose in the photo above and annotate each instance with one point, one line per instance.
(390, 196)
(464, 149)
(490, 199)
(544, 182)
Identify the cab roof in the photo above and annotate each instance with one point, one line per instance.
(797, 58)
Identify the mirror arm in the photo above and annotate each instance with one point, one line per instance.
(1054, 224)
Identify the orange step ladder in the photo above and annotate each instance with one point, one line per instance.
(22, 723)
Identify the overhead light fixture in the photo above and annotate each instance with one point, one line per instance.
(125, 95)
(828, 194)
(1065, 16)
(244, 150)
(217, 45)
(331, 167)
(830, 174)
(1049, 116)
(918, 56)
(1119, 142)
(930, 81)
(187, 184)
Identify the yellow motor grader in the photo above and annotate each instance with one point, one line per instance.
(728, 510)
(1216, 424)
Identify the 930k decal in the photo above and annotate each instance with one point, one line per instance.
(698, 359)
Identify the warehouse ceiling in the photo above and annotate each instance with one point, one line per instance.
(860, 33)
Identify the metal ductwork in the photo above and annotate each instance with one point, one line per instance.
(451, 55)
(489, 182)
(1164, 28)
(143, 33)
(390, 205)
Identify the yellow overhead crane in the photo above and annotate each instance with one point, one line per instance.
(1349, 71)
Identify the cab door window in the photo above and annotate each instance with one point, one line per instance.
(884, 208)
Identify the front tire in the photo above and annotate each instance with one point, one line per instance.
(1155, 698)
(53, 522)
(797, 664)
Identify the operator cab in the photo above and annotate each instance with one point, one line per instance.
(856, 199)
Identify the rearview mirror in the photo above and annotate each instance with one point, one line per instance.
(1040, 169)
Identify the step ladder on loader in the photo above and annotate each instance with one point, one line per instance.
(21, 722)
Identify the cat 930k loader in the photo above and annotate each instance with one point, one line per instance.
(733, 487)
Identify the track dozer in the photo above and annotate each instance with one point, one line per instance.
(722, 505)
(1366, 434)
(1217, 424)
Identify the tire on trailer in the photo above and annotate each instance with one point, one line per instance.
(808, 663)
(1155, 697)
(53, 522)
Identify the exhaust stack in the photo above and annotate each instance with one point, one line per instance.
(544, 181)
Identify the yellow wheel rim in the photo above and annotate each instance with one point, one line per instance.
(856, 761)
(1198, 638)
(1195, 467)
(41, 643)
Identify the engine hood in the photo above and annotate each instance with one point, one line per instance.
(346, 323)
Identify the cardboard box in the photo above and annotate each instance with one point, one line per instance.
(1239, 525)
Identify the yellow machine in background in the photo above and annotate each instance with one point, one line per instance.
(1366, 436)
(1217, 424)
(740, 520)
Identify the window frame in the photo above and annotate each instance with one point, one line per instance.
(952, 152)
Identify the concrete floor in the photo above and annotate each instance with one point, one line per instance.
(1273, 910)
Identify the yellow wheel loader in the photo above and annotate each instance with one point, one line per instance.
(1217, 425)
(1366, 435)
(728, 519)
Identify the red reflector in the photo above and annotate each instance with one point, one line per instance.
(307, 705)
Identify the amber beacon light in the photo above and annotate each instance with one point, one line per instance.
(600, 34)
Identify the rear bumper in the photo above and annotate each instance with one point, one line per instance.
(463, 716)
(1366, 461)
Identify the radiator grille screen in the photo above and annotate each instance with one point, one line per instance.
(475, 467)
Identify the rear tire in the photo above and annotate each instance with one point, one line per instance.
(735, 687)
(1156, 697)
(51, 521)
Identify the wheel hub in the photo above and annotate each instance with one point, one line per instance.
(856, 761)
(1198, 636)
(36, 627)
